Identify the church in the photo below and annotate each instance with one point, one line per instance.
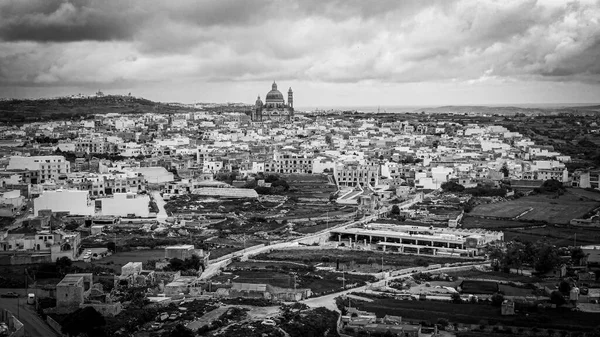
(274, 108)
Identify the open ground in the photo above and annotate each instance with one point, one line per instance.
(468, 313)
(550, 208)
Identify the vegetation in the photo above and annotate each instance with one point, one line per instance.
(193, 263)
(542, 256)
(309, 322)
(86, 321)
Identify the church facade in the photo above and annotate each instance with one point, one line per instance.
(274, 108)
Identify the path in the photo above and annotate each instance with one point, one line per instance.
(34, 325)
(160, 203)
(328, 301)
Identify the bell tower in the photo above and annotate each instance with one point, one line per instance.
(291, 98)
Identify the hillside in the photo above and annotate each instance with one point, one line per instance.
(24, 111)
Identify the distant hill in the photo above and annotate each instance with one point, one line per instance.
(511, 110)
(17, 111)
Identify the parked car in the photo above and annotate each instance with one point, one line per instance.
(10, 294)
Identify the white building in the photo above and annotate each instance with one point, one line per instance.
(125, 204)
(73, 201)
(50, 167)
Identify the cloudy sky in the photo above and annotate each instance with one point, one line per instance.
(344, 52)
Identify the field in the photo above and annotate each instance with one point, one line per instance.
(116, 261)
(468, 313)
(492, 224)
(557, 235)
(493, 275)
(319, 281)
(364, 261)
(539, 207)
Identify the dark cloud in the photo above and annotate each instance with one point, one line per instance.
(51, 42)
(64, 21)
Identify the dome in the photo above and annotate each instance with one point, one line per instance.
(274, 96)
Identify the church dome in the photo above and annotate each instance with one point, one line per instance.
(274, 96)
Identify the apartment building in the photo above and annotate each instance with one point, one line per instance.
(288, 162)
(95, 145)
(354, 174)
(49, 167)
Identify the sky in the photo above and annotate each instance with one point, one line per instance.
(331, 52)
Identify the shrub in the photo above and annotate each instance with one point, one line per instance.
(497, 299)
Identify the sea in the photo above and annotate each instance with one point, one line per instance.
(417, 108)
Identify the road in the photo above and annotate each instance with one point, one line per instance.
(160, 203)
(34, 325)
(328, 301)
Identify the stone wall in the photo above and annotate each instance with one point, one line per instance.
(14, 325)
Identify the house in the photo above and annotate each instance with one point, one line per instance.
(132, 274)
(72, 291)
(507, 308)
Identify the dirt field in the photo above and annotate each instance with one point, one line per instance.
(352, 259)
(556, 234)
(492, 275)
(475, 313)
(116, 261)
(492, 224)
(318, 281)
(539, 207)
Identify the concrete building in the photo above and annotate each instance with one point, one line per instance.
(181, 252)
(72, 201)
(417, 239)
(124, 205)
(354, 174)
(289, 162)
(50, 167)
(72, 291)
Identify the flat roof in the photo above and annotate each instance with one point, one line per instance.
(370, 232)
(70, 280)
(180, 247)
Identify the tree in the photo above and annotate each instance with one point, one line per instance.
(497, 255)
(84, 321)
(395, 210)
(556, 297)
(111, 246)
(577, 255)
(497, 299)
(443, 322)
(504, 170)
(456, 298)
(451, 186)
(564, 287)
(546, 258)
(181, 331)
(515, 255)
(63, 264)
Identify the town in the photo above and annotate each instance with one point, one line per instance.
(153, 219)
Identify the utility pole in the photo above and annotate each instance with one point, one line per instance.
(382, 273)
